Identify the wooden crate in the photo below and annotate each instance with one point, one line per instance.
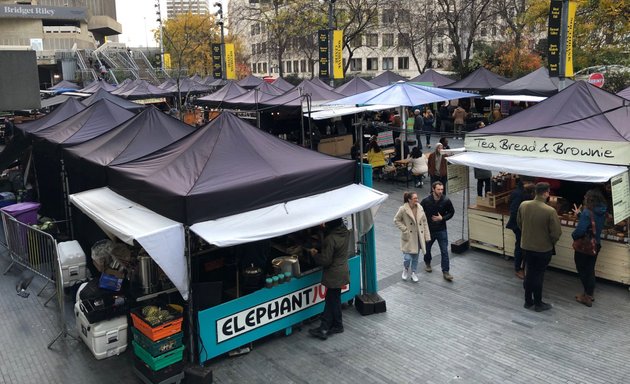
(485, 230)
(491, 201)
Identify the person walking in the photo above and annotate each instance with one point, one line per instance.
(593, 212)
(540, 231)
(459, 120)
(414, 228)
(483, 176)
(439, 209)
(418, 124)
(437, 165)
(336, 274)
(427, 124)
(520, 194)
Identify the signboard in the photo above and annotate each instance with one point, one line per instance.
(620, 188)
(597, 79)
(568, 68)
(230, 62)
(217, 69)
(553, 37)
(338, 54)
(322, 39)
(167, 61)
(601, 152)
(42, 12)
(457, 176)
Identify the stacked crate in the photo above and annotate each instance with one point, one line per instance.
(158, 348)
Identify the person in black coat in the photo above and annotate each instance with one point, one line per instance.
(439, 210)
(520, 194)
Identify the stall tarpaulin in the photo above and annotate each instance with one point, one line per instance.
(291, 216)
(68, 108)
(162, 238)
(533, 166)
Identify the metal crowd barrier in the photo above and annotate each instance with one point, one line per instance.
(31, 248)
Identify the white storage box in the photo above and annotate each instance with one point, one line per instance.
(106, 338)
(72, 260)
(77, 297)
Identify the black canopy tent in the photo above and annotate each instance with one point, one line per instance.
(282, 84)
(96, 85)
(199, 177)
(103, 94)
(250, 81)
(68, 108)
(537, 83)
(481, 80)
(431, 76)
(65, 84)
(387, 78)
(228, 91)
(624, 93)
(141, 135)
(354, 86)
(251, 99)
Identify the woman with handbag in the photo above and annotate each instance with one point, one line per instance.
(414, 233)
(587, 242)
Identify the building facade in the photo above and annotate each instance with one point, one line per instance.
(176, 7)
(385, 45)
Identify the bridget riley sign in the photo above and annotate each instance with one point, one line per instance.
(42, 12)
(601, 152)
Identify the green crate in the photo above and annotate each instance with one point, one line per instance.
(159, 362)
(156, 348)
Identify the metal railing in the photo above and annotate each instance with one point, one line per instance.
(31, 248)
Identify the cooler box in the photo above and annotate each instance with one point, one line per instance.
(106, 338)
(72, 260)
(23, 212)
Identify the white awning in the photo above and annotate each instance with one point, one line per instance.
(531, 166)
(527, 98)
(162, 238)
(326, 112)
(280, 219)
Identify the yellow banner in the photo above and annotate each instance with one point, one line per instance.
(337, 54)
(167, 60)
(568, 70)
(230, 62)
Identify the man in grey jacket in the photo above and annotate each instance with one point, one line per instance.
(540, 231)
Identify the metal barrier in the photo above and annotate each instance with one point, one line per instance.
(32, 249)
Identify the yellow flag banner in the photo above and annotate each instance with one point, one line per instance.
(568, 70)
(230, 62)
(167, 60)
(338, 54)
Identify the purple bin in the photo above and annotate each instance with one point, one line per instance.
(23, 212)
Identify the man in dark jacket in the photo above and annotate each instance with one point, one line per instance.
(336, 274)
(418, 123)
(520, 194)
(438, 209)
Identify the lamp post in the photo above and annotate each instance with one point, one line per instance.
(220, 24)
(331, 65)
(158, 13)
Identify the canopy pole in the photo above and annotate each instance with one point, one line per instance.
(404, 135)
(66, 201)
(310, 127)
(191, 313)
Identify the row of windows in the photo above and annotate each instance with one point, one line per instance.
(356, 65)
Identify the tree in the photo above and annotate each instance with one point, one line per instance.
(354, 18)
(418, 22)
(462, 19)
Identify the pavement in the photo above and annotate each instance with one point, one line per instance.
(472, 330)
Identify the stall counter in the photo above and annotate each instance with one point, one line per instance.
(235, 323)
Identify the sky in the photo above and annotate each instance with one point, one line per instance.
(138, 19)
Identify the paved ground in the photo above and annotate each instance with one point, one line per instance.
(473, 330)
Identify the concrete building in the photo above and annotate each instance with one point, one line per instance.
(56, 30)
(176, 7)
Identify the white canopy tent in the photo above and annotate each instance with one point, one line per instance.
(163, 238)
(527, 98)
(532, 166)
(280, 219)
(326, 112)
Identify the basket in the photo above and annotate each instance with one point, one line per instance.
(158, 331)
(156, 348)
(158, 362)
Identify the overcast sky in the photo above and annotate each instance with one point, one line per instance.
(138, 19)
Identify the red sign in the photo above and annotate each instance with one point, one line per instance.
(597, 79)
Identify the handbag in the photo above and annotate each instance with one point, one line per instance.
(587, 244)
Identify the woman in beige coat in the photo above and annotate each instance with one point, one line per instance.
(414, 227)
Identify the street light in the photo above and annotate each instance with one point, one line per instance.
(219, 13)
(158, 13)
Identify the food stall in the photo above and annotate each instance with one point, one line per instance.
(581, 138)
(206, 241)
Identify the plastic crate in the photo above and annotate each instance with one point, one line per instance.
(105, 308)
(159, 376)
(159, 331)
(156, 348)
(158, 362)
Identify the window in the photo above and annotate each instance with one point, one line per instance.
(254, 67)
(372, 63)
(288, 67)
(403, 63)
(494, 31)
(371, 39)
(403, 16)
(440, 47)
(253, 32)
(451, 48)
(355, 65)
(388, 39)
(311, 66)
(388, 16)
(263, 47)
(253, 49)
(259, 68)
(484, 31)
(302, 65)
(356, 41)
(265, 67)
(296, 65)
(388, 63)
(403, 40)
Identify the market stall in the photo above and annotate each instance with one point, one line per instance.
(581, 138)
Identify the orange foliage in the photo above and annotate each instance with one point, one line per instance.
(514, 62)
